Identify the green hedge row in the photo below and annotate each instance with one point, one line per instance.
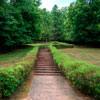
(61, 45)
(12, 77)
(85, 76)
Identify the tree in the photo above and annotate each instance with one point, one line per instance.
(83, 21)
(19, 22)
(57, 22)
(46, 25)
(31, 16)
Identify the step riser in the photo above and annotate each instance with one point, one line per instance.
(46, 69)
(45, 64)
(47, 72)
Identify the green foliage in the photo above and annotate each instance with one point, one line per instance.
(62, 45)
(19, 22)
(85, 76)
(46, 27)
(56, 23)
(53, 24)
(82, 21)
(12, 77)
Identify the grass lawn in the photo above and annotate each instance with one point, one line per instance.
(9, 58)
(90, 55)
(19, 54)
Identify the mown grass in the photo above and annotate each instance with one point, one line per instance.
(17, 54)
(9, 58)
(90, 55)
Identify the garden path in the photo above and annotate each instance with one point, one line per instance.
(48, 83)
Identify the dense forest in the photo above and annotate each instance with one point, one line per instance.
(80, 22)
(19, 22)
(22, 21)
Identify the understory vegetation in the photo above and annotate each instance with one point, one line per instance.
(85, 76)
(13, 76)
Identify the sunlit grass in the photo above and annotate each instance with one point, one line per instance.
(90, 55)
(9, 58)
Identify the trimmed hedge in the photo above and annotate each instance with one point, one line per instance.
(61, 45)
(85, 76)
(12, 77)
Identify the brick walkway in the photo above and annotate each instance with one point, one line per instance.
(48, 83)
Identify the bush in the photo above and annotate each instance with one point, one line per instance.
(43, 46)
(12, 77)
(85, 76)
(61, 45)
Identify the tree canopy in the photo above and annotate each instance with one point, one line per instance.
(19, 22)
(22, 21)
(80, 22)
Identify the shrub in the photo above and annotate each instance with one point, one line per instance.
(12, 77)
(85, 76)
(61, 45)
(43, 46)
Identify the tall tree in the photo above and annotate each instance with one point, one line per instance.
(56, 23)
(30, 13)
(83, 21)
(19, 22)
(46, 25)
(53, 24)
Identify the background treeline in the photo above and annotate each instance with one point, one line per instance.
(22, 21)
(53, 24)
(80, 22)
(19, 22)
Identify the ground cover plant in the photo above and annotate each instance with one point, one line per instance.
(85, 76)
(13, 76)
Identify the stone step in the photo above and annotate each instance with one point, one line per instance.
(45, 64)
(56, 74)
(46, 68)
(47, 71)
(53, 68)
(49, 68)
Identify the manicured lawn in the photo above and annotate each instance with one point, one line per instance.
(16, 55)
(9, 58)
(90, 55)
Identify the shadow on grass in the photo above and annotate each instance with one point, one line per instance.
(15, 52)
(12, 49)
